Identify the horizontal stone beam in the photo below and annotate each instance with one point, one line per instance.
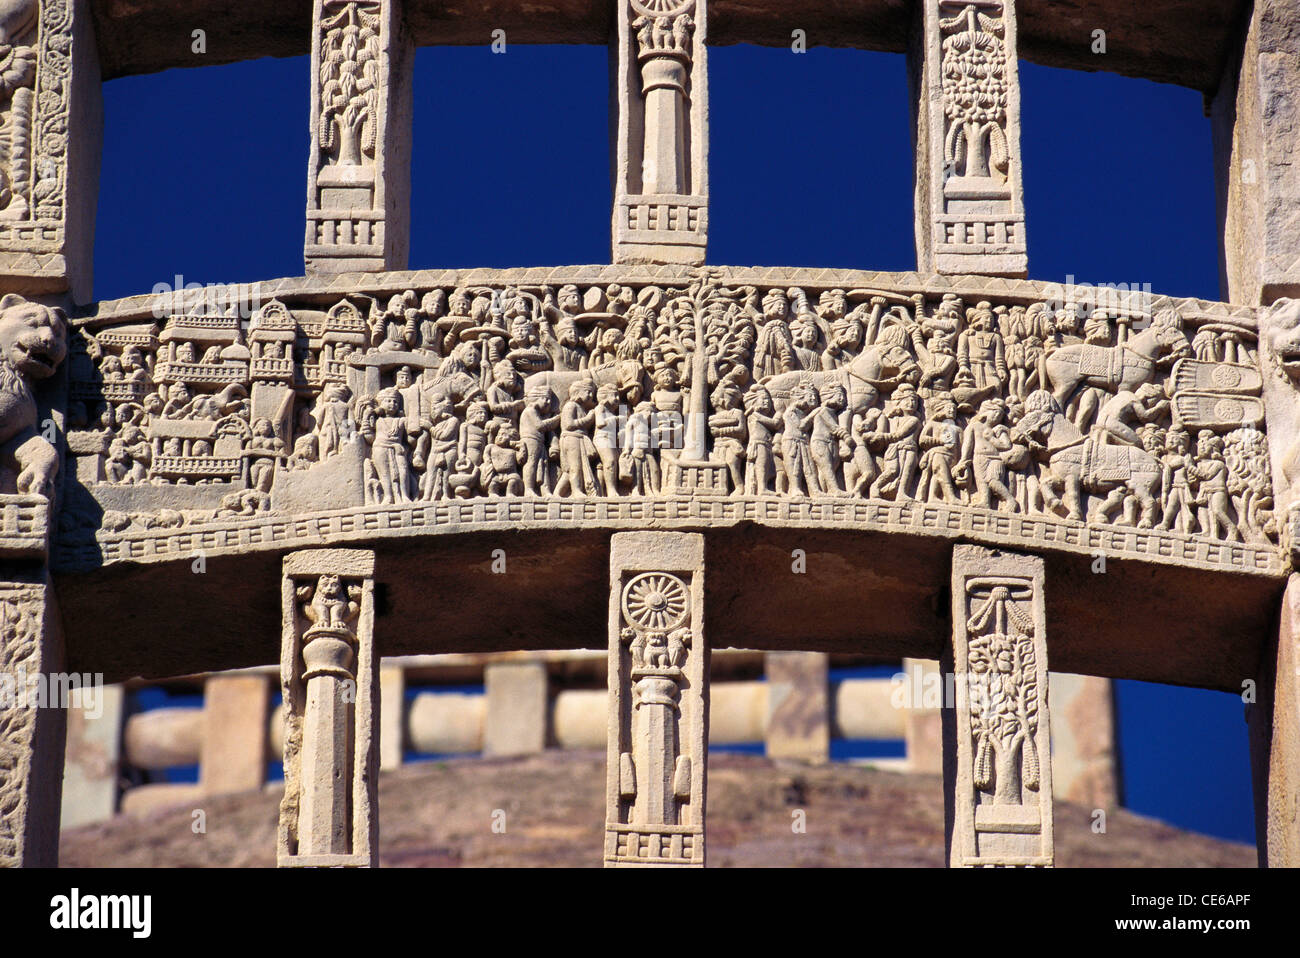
(1171, 41)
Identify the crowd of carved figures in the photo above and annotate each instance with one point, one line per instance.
(1150, 420)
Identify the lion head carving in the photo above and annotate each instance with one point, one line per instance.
(1280, 334)
(33, 337)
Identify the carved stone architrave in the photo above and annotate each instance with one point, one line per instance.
(359, 166)
(33, 728)
(658, 701)
(997, 742)
(661, 177)
(970, 214)
(50, 127)
(329, 816)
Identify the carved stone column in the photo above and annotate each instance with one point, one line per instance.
(1273, 721)
(970, 214)
(359, 166)
(33, 724)
(997, 743)
(50, 129)
(658, 700)
(661, 201)
(330, 682)
(1254, 117)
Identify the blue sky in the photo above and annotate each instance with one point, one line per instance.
(204, 175)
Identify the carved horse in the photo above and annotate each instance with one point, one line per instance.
(1076, 463)
(1113, 368)
(877, 368)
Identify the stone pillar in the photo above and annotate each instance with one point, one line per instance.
(32, 725)
(93, 765)
(52, 123)
(658, 700)
(997, 744)
(970, 212)
(392, 716)
(1273, 721)
(1254, 117)
(661, 195)
(518, 708)
(359, 166)
(923, 720)
(331, 746)
(1085, 763)
(798, 706)
(236, 715)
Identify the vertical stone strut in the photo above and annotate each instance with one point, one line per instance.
(50, 127)
(970, 214)
(658, 700)
(33, 725)
(997, 744)
(331, 747)
(359, 167)
(661, 201)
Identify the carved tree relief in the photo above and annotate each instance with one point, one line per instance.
(1001, 792)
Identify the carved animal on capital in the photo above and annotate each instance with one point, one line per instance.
(1077, 463)
(33, 341)
(1116, 368)
(1279, 335)
(331, 605)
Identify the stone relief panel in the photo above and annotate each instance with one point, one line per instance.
(971, 209)
(1056, 413)
(328, 815)
(30, 732)
(658, 670)
(1002, 801)
(39, 48)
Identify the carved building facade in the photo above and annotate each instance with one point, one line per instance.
(634, 435)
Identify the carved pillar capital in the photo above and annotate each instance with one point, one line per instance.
(997, 742)
(661, 177)
(331, 690)
(658, 700)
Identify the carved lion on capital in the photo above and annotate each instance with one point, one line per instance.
(1280, 334)
(33, 341)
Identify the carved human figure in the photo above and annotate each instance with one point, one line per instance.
(941, 445)
(986, 442)
(1122, 413)
(265, 448)
(1179, 505)
(981, 353)
(796, 454)
(824, 442)
(389, 433)
(774, 352)
(536, 427)
(639, 450)
(897, 435)
(443, 440)
(577, 418)
(606, 437)
(500, 475)
(1212, 480)
(762, 426)
(730, 431)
